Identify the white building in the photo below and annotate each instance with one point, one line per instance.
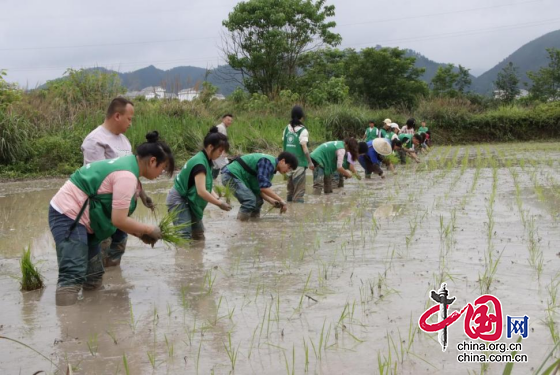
(152, 92)
(499, 94)
(188, 94)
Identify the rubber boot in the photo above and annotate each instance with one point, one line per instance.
(67, 295)
(94, 275)
(341, 181)
(105, 245)
(243, 216)
(115, 253)
(328, 185)
(255, 215)
(198, 235)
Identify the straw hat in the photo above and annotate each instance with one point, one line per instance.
(387, 121)
(394, 125)
(382, 147)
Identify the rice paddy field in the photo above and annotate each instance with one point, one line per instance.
(334, 286)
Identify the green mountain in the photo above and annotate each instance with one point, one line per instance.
(430, 66)
(530, 57)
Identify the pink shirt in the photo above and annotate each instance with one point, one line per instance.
(69, 200)
(101, 144)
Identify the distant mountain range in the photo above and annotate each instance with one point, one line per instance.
(529, 57)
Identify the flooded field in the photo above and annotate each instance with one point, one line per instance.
(335, 286)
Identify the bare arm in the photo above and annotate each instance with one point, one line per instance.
(307, 155)
(120, 219)
(269, 193)
(200, 183)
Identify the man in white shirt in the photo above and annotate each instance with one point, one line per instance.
(222, 161)
(108, 141)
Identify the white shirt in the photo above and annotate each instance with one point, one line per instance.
(101, 144)
(303, 137)
(222, 161)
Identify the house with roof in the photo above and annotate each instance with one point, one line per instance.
(188, 94)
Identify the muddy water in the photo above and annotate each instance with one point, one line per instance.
(340, 280)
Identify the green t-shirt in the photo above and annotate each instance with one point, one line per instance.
(325, 156)
(406, 140)
(423, 129)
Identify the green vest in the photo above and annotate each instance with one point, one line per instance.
(383, 133)
(371, 134)
(422, 129)
(89, 178)
(291, 144)
(325, 156)
(248, 179)
(406, 140)
(390, 135)
(196, 203)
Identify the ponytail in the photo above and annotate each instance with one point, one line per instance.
(216, 139)
(297, 116)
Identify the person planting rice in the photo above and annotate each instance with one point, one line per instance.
(371, 132)
(250, 177)
(394, 131)
(108, 141)
(295, 140)
(408, 142)
(371, 160)
(222, 161)
(331, 157)
(386, 128)
(97, 200)
(192, 189)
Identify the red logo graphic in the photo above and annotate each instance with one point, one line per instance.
(479, 323)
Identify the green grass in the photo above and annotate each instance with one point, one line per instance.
(31, 278)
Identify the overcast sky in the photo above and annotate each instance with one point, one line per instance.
(39, 39)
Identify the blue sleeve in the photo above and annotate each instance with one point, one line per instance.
(373, 155)
(265, 170)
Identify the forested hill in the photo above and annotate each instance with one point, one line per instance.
(529, 57)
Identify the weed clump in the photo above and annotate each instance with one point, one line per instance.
(31, 279)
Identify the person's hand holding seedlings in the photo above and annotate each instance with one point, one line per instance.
(224, 206)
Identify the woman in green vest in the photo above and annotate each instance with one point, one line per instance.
(192, 189)
(331, 157)
(250, 177)
(371, 132)
(408, 142)
(295, 140)
(98, 199)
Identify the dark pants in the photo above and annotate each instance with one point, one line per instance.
(113, 248)
(370, 167)
(250, 203)
(79, 258)
(321, 181)
(194, 231)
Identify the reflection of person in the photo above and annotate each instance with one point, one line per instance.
(295, 140)
(192, 190)
(373, 157)
(250, 177)
(331, 157)
(222, 161)
(108, 141)
(97, 200)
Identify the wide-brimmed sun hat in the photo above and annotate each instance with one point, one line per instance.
(395, 125)
(387, 121)
(382, 146)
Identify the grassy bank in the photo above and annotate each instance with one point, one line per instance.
(41, 136)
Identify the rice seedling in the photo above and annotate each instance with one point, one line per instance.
(93, 344)
(225, 191)
(171, 233)
(292, 371)
(209, 280)
(133, 322)
(152, 359)
(125, 363)
(112, 335)
(31, 278)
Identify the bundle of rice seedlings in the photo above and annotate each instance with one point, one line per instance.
(224, 191)
(172, 233)
(393, 159)
(31, 279)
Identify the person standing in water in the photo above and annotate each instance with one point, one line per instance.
(250, 177)
(371, 132)
(222, 161)
(108, 141)
(97, 200)
(192, 190)
(295, 139)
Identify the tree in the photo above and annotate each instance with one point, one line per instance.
(463, 79)
(507, 83)
(546, 82)
(267, 38)
(451, 81)
(384, 77)
(9, 92)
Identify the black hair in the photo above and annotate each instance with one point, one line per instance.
(227, 115)
(289, 159)
(362, 148)
(396, 143)
(423, 135)
(418, 137)
(117, 105)
(157, 149)
(371, 122)
(216, 139)
(353, 147)
(411, 123)
(297, 116)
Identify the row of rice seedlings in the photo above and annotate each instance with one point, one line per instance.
(536, 257)
(172, 233)
(490, 262)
